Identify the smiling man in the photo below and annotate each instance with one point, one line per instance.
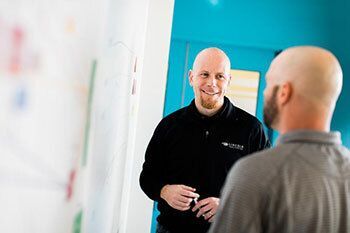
(210, 78)
(193, 149)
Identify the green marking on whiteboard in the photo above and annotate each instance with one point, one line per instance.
(88, 114)
(77, 222)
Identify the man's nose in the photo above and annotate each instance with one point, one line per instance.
(212, 81)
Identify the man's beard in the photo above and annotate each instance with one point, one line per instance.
(270, 109)
(209, 104)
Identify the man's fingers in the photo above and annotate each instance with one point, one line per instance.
(178, 196)
(184, 199)
(184, 208)
(211, 219)
(189, 194)
(204, 210)
(181, 204)
(204, 202)
(188, 188)
(200, 204)
(196, 207)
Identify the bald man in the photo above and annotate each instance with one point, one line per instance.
(193, 149)
(303, 184)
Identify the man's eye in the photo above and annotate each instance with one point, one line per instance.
(204, 74)
(221, 76)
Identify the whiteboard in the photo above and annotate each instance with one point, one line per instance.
(70, 76)
(48, 51)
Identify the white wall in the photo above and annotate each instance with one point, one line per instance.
(113, 123)
(137, 209)
(128, 102)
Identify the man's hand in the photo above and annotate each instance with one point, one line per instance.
(178, 196)
(207, 208)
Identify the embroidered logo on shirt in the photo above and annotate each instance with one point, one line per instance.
(233, 146)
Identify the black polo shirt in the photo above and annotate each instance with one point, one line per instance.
(198, 151)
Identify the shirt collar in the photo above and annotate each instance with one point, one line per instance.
(311, 137)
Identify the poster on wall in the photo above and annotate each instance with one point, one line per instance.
(243, 89)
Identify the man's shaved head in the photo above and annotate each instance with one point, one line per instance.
(303, 85)
(315, 73)
(210, 55)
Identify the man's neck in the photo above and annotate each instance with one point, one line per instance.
(321, 124)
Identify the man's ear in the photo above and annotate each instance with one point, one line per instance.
(285, 93)
(190, 77)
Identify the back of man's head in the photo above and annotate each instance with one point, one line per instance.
(314, 77)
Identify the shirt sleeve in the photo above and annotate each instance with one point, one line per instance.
(258, 139)
(242, 201)
(151, 181)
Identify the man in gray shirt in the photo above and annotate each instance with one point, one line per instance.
(303, 184)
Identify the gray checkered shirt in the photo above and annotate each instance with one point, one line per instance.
(301, 185)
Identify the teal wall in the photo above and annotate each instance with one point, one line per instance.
(275, 25)
(269, 25)
(340, 45)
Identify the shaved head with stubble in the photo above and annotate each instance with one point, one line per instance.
(303, 85)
